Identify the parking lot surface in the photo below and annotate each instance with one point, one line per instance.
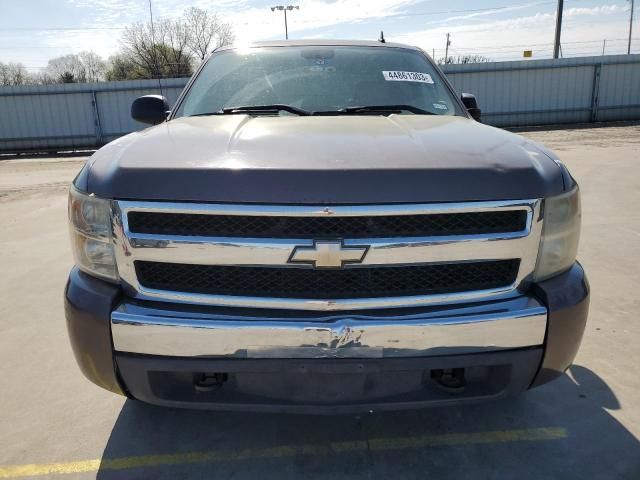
(586, 425)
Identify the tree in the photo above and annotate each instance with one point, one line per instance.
(13, 73)
(462, 59)
(169, 47)
(172, 48)
(82, 67)
(122, 68)
(67, 77)
(66, 69)
(42, 78)
(205, 30)
(95, 67)
(125, 67)
(156, 51)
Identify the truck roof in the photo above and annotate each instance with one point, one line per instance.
(322, 43)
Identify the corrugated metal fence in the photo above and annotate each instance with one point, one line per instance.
(538, 92)
(75, 115)
(544, 92)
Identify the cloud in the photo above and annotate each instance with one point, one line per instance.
(102, 42)
(599, 10)
(260, 23)
(252, 23)
(505, 39)
(497, 33)
(492, 11)
(107, 13)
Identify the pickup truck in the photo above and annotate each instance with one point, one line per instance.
(322, 226)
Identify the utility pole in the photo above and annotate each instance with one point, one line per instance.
(630, 28)
(446, 51)
(284, 9)
(604, 45)
(556, 46)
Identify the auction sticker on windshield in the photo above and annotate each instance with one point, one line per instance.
(399, 76)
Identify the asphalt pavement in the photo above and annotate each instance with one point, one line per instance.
(586, 425)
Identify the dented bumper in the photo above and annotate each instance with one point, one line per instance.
(310, 362)
(516, 323)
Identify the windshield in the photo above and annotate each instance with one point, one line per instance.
(319, 80)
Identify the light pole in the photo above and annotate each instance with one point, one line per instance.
(285, 9)
(556, 44)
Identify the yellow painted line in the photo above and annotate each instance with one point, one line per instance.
(376, 444)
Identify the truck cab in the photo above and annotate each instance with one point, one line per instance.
(323, 226)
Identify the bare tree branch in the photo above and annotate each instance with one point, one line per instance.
(82, 67)
(205, 31)
(13, 74)
(170, 46)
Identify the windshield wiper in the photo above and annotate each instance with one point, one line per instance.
(265, 109)
(386, 109)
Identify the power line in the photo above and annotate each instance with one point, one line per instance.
(475, 47)
(412, 14)
(469, 10)
(431, 13)
(55, 29)
(490, 48)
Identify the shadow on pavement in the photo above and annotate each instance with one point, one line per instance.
(562, 430)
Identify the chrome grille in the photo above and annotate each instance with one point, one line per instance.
(240, 255)
(189, 224)
(352, 282)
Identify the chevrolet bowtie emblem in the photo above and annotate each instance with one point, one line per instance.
(328, 254)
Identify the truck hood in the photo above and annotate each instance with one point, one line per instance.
(318, 160)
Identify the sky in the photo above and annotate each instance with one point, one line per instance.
(33, 31)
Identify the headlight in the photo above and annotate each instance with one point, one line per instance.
(560, 235)
(90, 225)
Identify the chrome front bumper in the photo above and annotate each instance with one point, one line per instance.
(494, 326)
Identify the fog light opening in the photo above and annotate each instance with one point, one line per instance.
(206, 382)
(451, 380)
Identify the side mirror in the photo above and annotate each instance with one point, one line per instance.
(472, 106)
(150, 109)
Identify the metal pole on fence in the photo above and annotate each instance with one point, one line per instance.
(556, 45)
(96, 118)
(446, 51)
(630, 28)
(595, 91)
